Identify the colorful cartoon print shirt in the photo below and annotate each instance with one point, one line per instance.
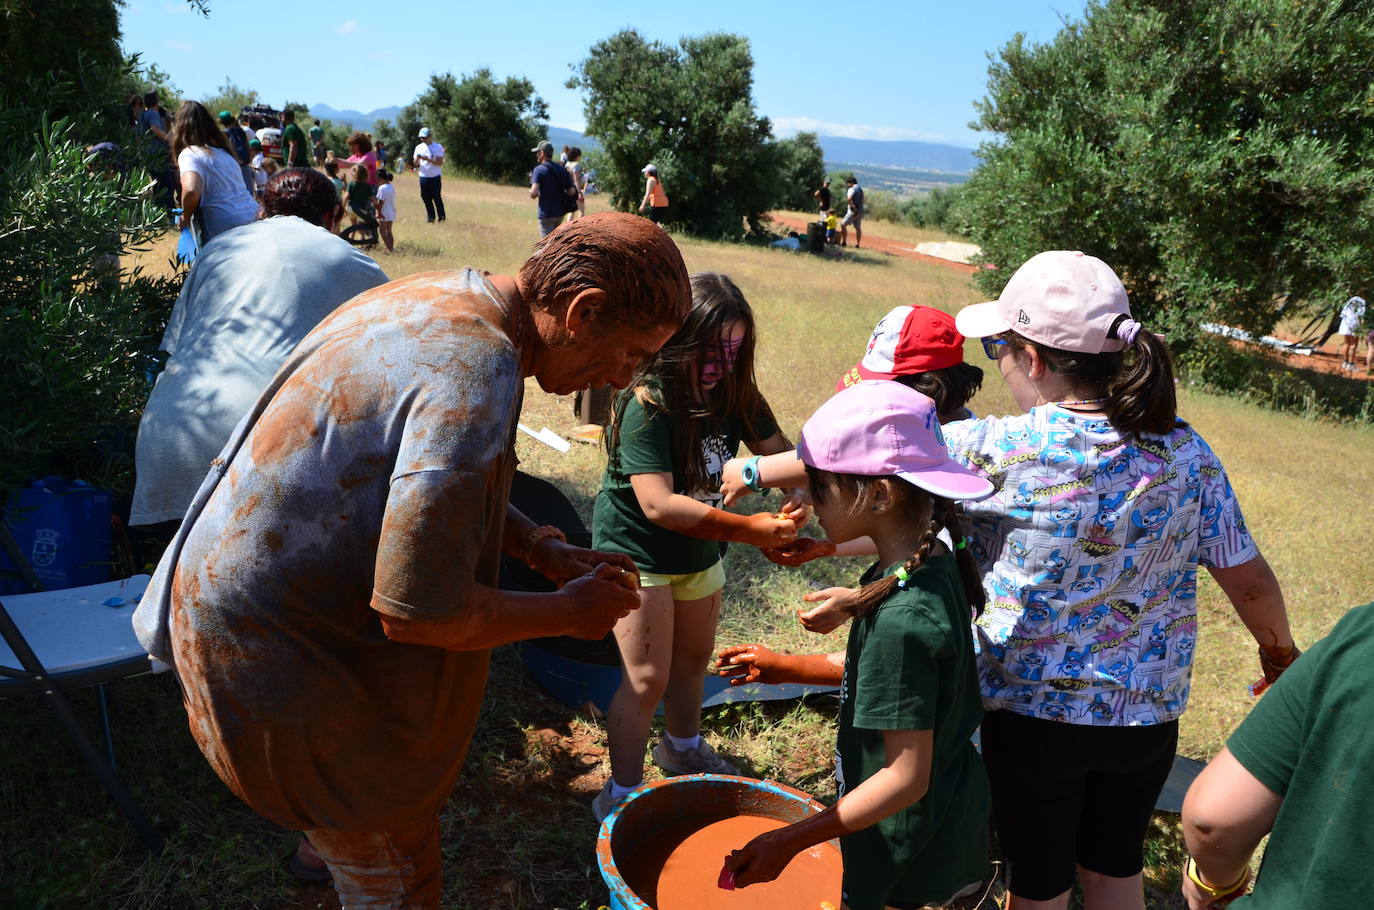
(371, 479)
(1089, 548)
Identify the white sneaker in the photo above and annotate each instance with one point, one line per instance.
(700, 760)
(604, 803)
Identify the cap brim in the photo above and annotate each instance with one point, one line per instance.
(952, 481)
(979, 320)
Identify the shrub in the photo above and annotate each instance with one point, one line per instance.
(79, 336)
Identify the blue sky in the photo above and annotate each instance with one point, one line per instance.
(886, 70)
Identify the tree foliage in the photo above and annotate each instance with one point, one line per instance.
(78, 334)
(801, 168)
(230, 97)
(1216, 154)
(689, 110)
(486, 127)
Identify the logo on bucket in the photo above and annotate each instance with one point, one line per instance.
(44, 548)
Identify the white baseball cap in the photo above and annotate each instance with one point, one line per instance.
(424, 132)
(1061, 298)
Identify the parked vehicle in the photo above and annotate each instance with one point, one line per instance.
(265, 122)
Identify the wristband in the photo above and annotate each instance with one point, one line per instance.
(1213, 891)
(531, 540)
(750, 474)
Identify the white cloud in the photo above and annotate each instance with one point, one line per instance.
(788, 126)
(348, 27)
(183, 46)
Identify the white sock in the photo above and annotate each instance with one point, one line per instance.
(682, 745)
(618, 792)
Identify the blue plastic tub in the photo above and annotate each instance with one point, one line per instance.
(663, 803)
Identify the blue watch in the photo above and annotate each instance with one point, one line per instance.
(750, 474)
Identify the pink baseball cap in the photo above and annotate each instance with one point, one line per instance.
(1061, 298)
(909, 339)
(883, 429)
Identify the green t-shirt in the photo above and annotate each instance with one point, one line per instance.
(646, 447)
(359, 195)
(292, 133)
(1310, 740)
(910, 666)
(317, 134)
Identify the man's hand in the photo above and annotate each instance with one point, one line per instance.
(731, 483)
(559, 562)
(762, 859)
(836, 608)
(799, 552)
(597, 600)
(752, 664)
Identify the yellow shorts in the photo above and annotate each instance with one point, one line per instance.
(693, 586)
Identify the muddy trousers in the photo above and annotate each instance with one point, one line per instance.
(397, 869)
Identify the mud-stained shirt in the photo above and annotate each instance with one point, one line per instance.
(371, 478)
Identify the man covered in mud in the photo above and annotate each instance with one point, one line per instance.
(331, 597)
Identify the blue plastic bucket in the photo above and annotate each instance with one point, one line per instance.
(664, 803)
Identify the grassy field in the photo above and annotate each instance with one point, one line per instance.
(517, 833)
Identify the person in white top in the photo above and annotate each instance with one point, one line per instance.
(429, 159)
(211, 181)
(386, 207)
(579, 179)
(1352, 314)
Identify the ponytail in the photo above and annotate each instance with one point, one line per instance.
(1138, 381)
(1140, 396)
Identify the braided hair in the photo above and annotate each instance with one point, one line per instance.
(944, 515)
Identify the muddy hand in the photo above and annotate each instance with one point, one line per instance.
(769, 530)
(559, 562)
(1273, 661)
(799, 552)
(598, 600)
(749, 664)
(795, 507)
(832, 611)
(760, 860)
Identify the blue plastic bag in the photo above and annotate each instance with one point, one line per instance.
(63, 529)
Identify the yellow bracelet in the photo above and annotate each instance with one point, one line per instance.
(532, 540)
(1190, 868)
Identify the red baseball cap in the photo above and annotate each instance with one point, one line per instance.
(908, 340)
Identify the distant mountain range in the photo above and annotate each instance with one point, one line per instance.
(355, 119)
(839, 151)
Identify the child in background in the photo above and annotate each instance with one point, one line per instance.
(832, 225)
(360, 195)
(683, 415)
(912, 817)
(386, 207)
(256, 163)
(331, 167)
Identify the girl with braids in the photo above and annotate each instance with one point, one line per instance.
(1106, 504)
(913, 807)
(683, 415)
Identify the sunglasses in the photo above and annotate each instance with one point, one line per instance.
(993, 346)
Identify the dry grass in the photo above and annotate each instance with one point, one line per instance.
(521, 805)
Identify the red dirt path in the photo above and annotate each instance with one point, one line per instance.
(877, 244)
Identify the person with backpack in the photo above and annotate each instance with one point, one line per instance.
(552, 187)
(238, 142)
